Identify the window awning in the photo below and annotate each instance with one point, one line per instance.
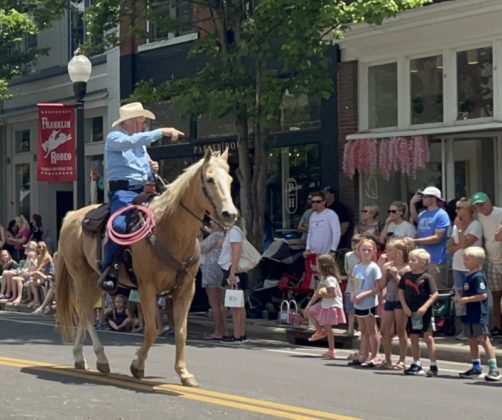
(460, 128)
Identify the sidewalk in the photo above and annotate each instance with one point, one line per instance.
(447, 348)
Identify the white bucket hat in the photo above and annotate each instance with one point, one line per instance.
(133, 110)
(436, 192)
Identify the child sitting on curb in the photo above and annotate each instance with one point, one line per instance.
(475, 321)
(417, 293)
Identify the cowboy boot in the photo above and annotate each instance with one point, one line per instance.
(109, 279)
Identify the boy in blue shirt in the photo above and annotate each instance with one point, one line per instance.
(475, 320)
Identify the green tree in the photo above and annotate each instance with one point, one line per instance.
(19, 23)
(255, 50)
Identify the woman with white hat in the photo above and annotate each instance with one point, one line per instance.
(129, 167)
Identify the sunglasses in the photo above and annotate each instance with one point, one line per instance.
(364, 211)
(392, 211)
(316, 201)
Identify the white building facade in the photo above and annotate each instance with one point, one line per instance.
(434, 72)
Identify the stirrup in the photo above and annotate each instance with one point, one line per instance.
(108, 281)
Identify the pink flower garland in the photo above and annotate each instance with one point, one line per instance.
(386, 156)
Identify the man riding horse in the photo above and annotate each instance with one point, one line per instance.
(129, 167)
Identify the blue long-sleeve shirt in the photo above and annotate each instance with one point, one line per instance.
(126, 156)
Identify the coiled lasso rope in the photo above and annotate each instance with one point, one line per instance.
(126, 239)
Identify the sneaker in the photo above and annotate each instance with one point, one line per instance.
(461, 337)
(232, 340)
(414, 369)
(493, 376)
(471, 373)
(433, 371)
(99, 326)
(244, 339)
(496, 332)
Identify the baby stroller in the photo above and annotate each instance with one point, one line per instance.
(444, 313)
(282, 258)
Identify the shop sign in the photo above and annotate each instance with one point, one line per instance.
(291, 196)
(56, 143)
(200, 149)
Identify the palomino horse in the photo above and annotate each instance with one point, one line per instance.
(204, 186)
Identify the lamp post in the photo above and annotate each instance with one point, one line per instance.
(79, 70)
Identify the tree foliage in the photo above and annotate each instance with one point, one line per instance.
(19, 22)
(255, 50)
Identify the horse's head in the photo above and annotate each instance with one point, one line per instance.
(216, 182)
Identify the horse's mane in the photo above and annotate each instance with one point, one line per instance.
(165, 204)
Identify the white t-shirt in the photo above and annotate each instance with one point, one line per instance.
(402, 230)
(474, 229)
(490, 225)
(331, 302)
(234, 235)
(324, 232)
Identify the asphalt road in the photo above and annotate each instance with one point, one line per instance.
(260, 379)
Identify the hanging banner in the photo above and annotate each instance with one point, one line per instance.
(56, 143)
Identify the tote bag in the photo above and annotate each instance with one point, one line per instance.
(250, 257)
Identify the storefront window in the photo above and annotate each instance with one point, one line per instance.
(22, 139)
(299, 112)
(475, 83)
(23, 189)
(377, 191)
(474, 166)
(426, 78)
(382, 95)
(292, 173)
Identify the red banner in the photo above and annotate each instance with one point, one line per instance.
(56, 143)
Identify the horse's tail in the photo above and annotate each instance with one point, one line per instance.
(66, 313)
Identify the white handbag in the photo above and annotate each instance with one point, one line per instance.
(250, 257)
(234, 298)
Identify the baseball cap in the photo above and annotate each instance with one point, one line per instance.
(479, 198)
(329, 189)
(435, 192)
(32, 245)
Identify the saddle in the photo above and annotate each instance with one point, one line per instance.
(94, 223)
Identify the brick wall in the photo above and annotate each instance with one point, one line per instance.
(347, 123)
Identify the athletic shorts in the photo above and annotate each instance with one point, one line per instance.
(475, 330)
(363, 313)
(427, 325)
(392, 305)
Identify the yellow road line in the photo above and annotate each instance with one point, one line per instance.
(197, 394)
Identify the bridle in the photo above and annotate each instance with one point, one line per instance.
(206, 213)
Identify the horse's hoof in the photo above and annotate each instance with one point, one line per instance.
(80, 365)
(103, 367)
(191, 382)
(137, 373)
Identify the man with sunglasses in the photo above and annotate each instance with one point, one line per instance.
(324, 227)
(129, 167)
(490, 218)
(432, 228)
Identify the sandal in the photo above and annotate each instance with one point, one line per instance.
(368, 365)
(329, 355)
(318, 335)
(385, 366)
(398, 366)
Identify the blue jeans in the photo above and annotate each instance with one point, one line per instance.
(118, 200)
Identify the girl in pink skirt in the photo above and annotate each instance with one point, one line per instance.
(325, 308)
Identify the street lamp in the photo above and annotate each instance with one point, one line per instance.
(79, 70)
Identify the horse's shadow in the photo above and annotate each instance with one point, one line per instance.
(70, 376)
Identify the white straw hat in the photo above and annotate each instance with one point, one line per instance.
(133, 110)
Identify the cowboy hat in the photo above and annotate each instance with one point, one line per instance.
(133, 110)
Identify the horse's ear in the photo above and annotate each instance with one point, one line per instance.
(208, 154)
(224, 155)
